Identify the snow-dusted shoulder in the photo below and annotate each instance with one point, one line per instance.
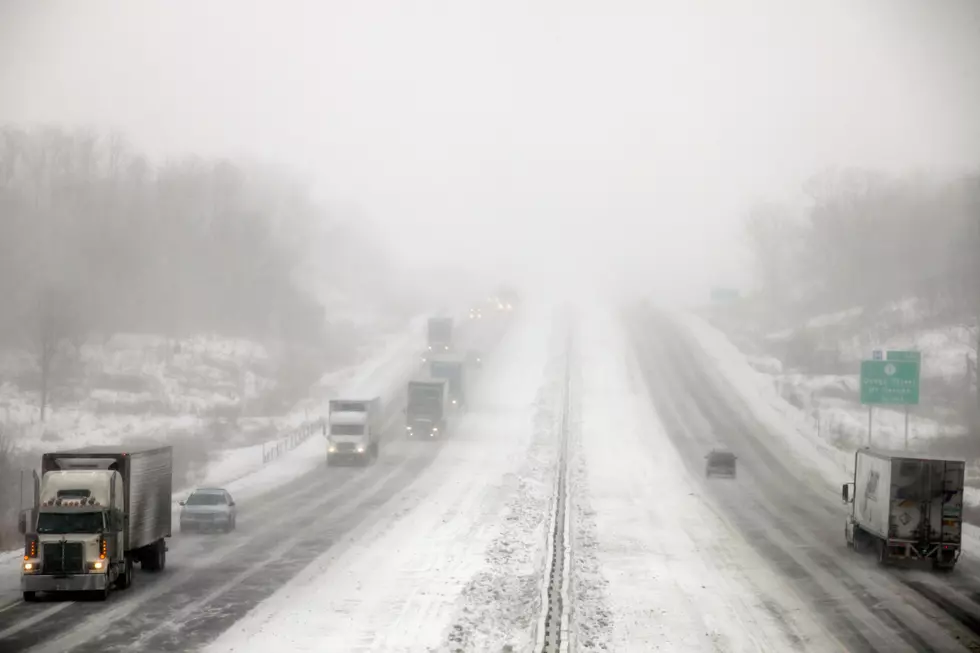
(412, 575)
(655, 565)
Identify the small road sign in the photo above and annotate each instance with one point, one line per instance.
(876, 355)
(890, 382)
(913, 356)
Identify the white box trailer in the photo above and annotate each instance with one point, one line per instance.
(906, 506)
(354, 430)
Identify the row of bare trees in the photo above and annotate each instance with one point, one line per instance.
(94, 238)
(865, 239)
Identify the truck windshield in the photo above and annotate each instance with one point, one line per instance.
(54, 523)
(347, 429)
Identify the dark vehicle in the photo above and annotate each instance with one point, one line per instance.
(454, 372)
(425, 414)
(720, 463)
(440, 334)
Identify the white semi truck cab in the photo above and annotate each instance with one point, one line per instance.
(96, 512)
(354, 430)
(906, 506)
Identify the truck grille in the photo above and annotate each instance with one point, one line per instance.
(64, 558)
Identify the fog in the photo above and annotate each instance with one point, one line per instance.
(615, 140)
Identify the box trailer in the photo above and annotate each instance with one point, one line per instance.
(906, 506)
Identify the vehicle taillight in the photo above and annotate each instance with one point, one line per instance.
(103, 548)
(30, 548)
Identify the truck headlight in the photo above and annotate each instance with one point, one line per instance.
(360, 450)
(97, 565)
(31, 567)
(331, 449)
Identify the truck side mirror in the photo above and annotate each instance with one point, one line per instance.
(25, 517)
(844, 493)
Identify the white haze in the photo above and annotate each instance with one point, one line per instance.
(617, 139)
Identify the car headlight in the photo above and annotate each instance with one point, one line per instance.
(360, 450)
(332, 449)
(435, 429)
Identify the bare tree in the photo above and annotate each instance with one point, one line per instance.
(56, 324)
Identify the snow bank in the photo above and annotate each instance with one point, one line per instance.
(655, 566)
(448, 561)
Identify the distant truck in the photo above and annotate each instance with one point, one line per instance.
(97, 512)
(453, 370)
(427, 411)
(440, 334)
(354, 430)
(507, 299)
(906, 507)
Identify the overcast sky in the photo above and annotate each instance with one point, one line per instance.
(613, 137)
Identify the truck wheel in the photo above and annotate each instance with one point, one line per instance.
(858, 540)
(125, 579)
(30, 597)
(882, 553)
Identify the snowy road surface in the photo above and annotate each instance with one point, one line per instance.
(445, 546)
(674, 573)
(792, 524)
(403, 580)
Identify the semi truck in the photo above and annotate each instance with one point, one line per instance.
(97, 511)
(354, 430)
(440, 334)
(426, 414)
(453, 370)
(905, 506)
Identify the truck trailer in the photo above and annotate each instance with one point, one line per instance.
(354, 430)
(426, 414)
(906, 506)
(453, 370)
(439, 334)
(97, 511)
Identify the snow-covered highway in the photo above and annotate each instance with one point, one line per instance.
(446, 546)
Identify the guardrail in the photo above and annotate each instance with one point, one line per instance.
(273, 449)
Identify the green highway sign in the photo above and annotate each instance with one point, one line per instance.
(891, 382)
(913, 356)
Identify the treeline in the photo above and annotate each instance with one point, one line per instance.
(865, 239)
(96, 238)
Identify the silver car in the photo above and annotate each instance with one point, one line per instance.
(208, 509)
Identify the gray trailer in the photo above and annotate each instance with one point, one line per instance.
(453, 370)
(97, 511)
(906, 506)
(426, 411)
(439, 334)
